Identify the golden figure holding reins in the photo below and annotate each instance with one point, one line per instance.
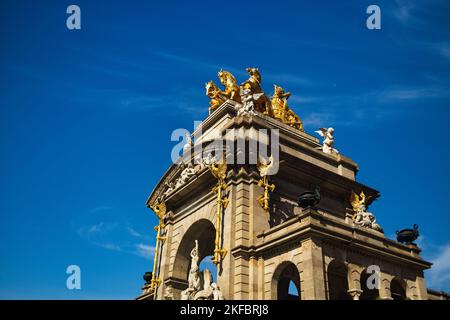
(231, 88)
(281, 111)
(251, 95)
(215, 96)
(253, 86)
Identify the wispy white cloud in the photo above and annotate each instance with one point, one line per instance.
(439, 275)
(442, 48)
(410, 93)
(144, 250)
(116, 236)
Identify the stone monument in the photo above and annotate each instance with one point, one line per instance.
(241, 209)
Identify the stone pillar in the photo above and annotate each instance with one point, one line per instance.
(421, 288)
(354, 284)
(312, 273)
(241, 279)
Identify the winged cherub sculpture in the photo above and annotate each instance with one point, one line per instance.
(328, 140)
(362, 217)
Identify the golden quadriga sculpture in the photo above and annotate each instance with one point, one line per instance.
(251, 94)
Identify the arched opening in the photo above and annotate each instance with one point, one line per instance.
(368, 286)
(286, 282)
(207, 263)
(337, 281)
(292, 290)
(398, 291)
(204, 231)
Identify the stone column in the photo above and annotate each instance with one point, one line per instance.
(385, 287)
(421, 288)
(312, 273)
(354, 284)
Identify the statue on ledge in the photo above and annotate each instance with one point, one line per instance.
(251, 98)
(251, 91)
(214, 94)
(328, 140)
(231, 88)
(281, 111)
(210, 291)
(362, 217)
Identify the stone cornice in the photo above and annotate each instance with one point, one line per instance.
(311, 224)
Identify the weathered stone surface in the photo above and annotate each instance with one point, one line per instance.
(268, 248)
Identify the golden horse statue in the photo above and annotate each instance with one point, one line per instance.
(253, 84)
(216, 98)
(231, 88)
(281, 111)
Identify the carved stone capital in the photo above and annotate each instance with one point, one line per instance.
(355, 293)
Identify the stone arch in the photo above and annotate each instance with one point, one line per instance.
(337, 281)
(398, 289)
(283, 275)
(202, 230)
(368, 293)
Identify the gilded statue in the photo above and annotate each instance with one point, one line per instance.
(251, 98)
(281, 111)
(279, 102)
(254, 82)
(252, 90)
(231, 88)
(214, 94)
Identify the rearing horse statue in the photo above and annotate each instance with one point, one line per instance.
(231, 88)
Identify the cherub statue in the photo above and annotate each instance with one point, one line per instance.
(231, 88)
(328, 141)
(362, 217)
(215, 96)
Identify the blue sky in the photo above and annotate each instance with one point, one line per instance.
(86, 118)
